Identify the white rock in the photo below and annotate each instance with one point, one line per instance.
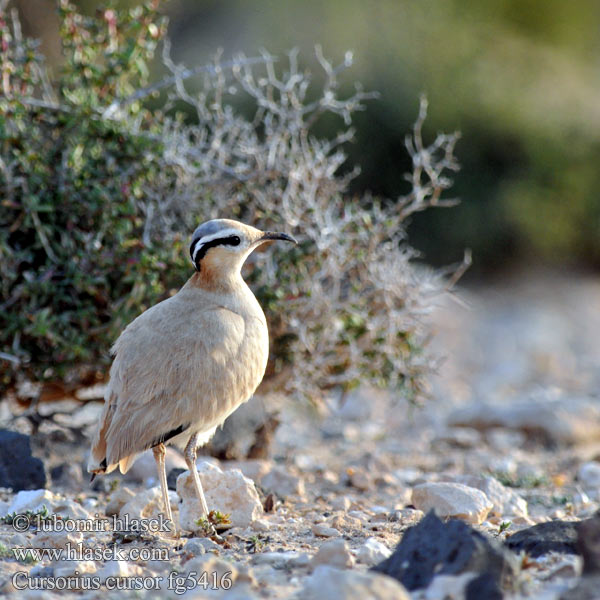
(452, 500)
(506, 502)
(121, 496)
(448, 587)
(283, 483)
(589, 475)
(57, 539)
(113, 568)
(329, 583)
(323, 530)
(372, 552)
(32, 500)
(334, 553)
(227, 491)
(261, 525)
(145, 505)
(69, 509)
(70, 568)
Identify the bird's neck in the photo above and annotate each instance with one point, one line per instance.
(217, 280)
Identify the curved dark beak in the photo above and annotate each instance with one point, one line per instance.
(273, 235)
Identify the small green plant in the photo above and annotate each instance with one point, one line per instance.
(34, 517)
(504, 526)
(526, 481)
(256, 543)
(214, 522)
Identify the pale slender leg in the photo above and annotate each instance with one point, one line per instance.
(190, 459)
(159, 457)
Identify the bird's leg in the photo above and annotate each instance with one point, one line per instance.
(159, 457)
(190, 459)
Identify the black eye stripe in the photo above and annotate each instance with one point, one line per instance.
(232, 240)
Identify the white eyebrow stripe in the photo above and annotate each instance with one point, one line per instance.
(209, 238)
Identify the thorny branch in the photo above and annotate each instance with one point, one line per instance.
(355, 302)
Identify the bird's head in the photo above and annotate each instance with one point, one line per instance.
(222, 245)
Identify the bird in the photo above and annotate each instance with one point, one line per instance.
(185, 364)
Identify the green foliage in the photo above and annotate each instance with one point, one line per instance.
(73, 267)
(98, 189)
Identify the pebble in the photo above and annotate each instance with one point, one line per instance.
(372, 552)
(341, 503)
(589, 475)
(360, 479)
(452, 500)
(262, 525)
(334, 553)
(322, 530)
(201, 545)
(329, 583)
(230, 492)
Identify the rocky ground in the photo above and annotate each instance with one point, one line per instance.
(510, 440)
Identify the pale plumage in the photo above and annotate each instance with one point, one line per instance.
(183, 366)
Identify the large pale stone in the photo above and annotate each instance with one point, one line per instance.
(226, 491)
(121, 496)
(329, 583)
(32, 500)
(372, 552)
(506, 502)
(452, 500)
(334, 553)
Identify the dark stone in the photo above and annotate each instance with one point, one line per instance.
(433, 547)
(483, 587)
(172, 477)
(19, 470)
(553, 536)
(588, 545)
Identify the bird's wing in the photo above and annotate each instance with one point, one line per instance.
(164, 360)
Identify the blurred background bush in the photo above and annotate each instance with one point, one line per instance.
(520, 80)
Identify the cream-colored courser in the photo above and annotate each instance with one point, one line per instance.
(183, 366)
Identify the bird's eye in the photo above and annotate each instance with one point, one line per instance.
(235, 240)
